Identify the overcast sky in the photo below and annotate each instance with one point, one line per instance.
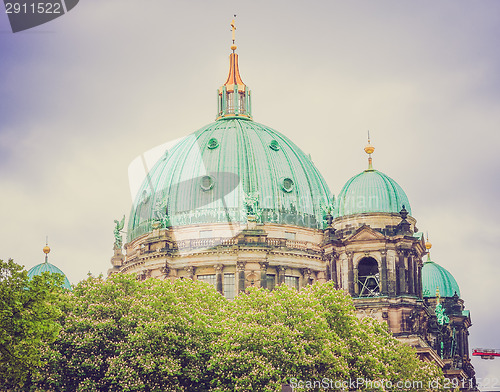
(85, 94)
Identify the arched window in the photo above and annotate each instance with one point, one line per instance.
(368, 278)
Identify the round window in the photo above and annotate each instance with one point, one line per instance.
(274, 145)
(207, 183)
(213, 143)
(287, 185)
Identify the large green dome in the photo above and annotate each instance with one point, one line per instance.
(47, 267)
(226, 170)
(371, 191)
(433, 277)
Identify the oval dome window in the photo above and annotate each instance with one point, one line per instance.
(207, 183)
(287, 185)
(274, 145)
(213, 143)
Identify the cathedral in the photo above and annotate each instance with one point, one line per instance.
(237, 204)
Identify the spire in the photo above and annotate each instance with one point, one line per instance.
(46, 249)
(428, 246)
(234, 96)
(369, 150)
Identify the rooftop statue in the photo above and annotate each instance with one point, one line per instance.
(118, 228)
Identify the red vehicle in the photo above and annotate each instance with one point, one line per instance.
(486, 353)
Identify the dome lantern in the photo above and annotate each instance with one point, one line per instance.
(233, 97)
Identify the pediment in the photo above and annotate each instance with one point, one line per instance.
(365, 233)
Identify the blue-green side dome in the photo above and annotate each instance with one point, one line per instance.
(433, 277)
(371, 191)
(226, 170)
(47, 267)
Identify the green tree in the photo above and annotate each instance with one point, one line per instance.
(273, 337)
(124, 335)
(28, 321)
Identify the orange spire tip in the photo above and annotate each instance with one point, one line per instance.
(234, 95)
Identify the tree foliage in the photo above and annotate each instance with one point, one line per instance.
(124, 335)
(28, 321)
(310, 335)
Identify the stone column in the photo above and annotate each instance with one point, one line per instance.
(411, 274)
(263, 274)
(240, 266)
(465, 344)
(333, 270)
(391, 272)
(218, 277)
(280, 270)
(400, 273)
(343, 269)
(459, 342)
(419, 281)
(384, 289)
(350, 273)
(415, 274)
(404, 266)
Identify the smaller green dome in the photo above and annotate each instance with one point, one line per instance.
(371, 191)
(47, 267)
(433, 277)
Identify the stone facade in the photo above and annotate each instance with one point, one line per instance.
(376, 258)
(258, 255)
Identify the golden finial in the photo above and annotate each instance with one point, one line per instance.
(428, 246)
(46, 248)
(369, 150)
(233, 29)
